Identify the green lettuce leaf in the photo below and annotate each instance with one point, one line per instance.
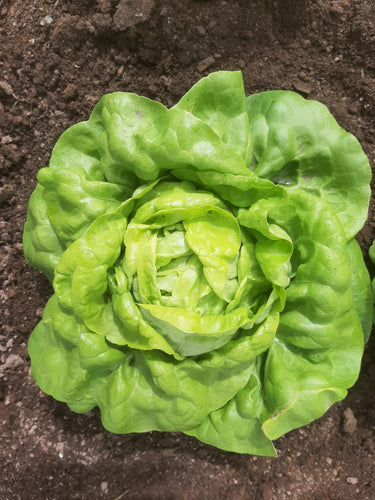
(299, 144)
(372, 257)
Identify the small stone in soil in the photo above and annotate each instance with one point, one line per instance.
(352, 480)
(13, 361)
(302, 87)
(205, 63)
(350, 422)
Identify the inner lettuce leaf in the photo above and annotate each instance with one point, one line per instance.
(206, 277)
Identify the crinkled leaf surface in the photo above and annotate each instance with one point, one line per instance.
(299, 144)
(205, 273)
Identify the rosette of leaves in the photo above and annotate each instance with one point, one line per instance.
(202, 257)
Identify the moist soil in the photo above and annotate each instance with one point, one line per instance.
(56, 59)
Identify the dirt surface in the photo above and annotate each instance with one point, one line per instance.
(56, 59)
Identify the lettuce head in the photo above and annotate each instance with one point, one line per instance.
(205, 272)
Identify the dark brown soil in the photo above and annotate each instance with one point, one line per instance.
(56, 59)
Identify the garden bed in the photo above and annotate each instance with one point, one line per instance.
(57, 59)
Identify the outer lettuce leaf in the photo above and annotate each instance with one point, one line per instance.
(361, 287)
(372, 257)
(299, 144)
(237, 426)
(219, 102)
(75, 190)
(140, 139)
(56, 364)
(131, 130)
(157, 394)
(42, 247)
(319, 340)
(372, 252)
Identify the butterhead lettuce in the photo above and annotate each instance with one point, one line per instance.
(202, 257)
